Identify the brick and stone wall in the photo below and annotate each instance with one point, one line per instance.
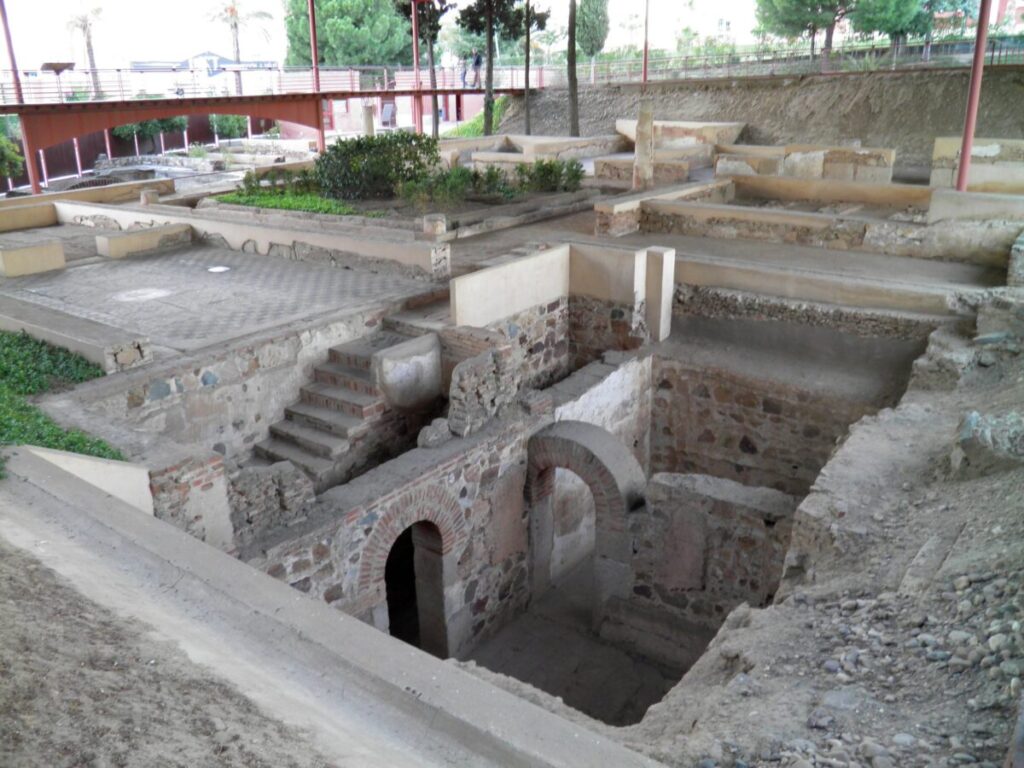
(596, 326)
(471, 489)
(191, 494)
(262, 498)
(702, 546)
(756, 431)
(617, 398)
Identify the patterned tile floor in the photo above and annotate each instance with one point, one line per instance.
(173, 299)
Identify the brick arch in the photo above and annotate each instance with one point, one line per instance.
(615, 479)
(431, 505)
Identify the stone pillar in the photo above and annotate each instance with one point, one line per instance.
(661, 279)
(368, 120)
(643, 162)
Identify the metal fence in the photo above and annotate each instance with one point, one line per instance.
(125, 84)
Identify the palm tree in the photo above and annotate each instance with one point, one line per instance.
(83, 23)
(231, 14)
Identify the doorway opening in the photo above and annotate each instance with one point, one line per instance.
(414, 582)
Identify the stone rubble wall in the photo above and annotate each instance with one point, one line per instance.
(757, 432)
(191, 495)
(597, 325)
(481, 386)
(198, 164)
(542, 334)
(262, 498)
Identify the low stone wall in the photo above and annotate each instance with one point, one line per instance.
(702, 546)
(262, 498)
(622, 216)
(808, 161)
(542, 334)
(197, 164)
(755, 431)
(997, 165)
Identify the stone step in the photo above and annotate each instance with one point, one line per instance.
(345, 400)
(327, 420)
(316, 467)
(316, 441)
(357, 353)
(341, 375)
(425, 318)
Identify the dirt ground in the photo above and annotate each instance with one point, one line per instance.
(896, 641)
(81, 687)
(903, 110)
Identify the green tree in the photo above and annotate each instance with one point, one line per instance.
(428, 17)
(349, 33)
(895, 18)
(795, 18)
(83, 23)
(490, 18)
(231, 14)
(591, 30)
(11, 161)
(574, 90)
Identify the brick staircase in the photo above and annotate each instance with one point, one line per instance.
(338, 412)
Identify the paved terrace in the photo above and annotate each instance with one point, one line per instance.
(174, 299)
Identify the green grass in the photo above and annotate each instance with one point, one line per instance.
(29, 367)
(475, 127)
(290, 201)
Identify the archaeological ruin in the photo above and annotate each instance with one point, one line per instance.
(695, 441)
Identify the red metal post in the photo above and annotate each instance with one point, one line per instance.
(10, 53)
(647, 19)
(314, 53)
(107, 142)
(417, 104)
(28, 146)
(973, 95)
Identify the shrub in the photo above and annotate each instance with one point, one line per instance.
(371, 167)
(250, 183)
(196, 150)
(546, 176)
(572, 176)
(11, 161)
(228, 126)
(289, 201)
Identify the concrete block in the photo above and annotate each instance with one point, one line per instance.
(942, 177)
(804, 165)
(728, 165)
(840, 171)
(409, 374)
(873, 174)
(949, 205)
(122, 480)
(28, 217)
(32, 259)
(643, 160)
(122, 244)
(435, 224)
(661, 270)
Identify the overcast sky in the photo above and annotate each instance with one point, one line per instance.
(133, 30)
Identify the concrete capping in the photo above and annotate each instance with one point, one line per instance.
(633, 202)
(30, 216)
(112, 193)
(356, 663)
(674, 133)
(106, 346)
(122, 244)
(951, 205)
(724, 212)
(120, 479)
(831, 191)
(431, 259)
(18, 261)
(490, 294)
(618, 275)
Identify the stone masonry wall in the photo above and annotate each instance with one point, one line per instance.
(702, 546)
(596, 326)
(471, 489)
(542, 333)
(755, 431)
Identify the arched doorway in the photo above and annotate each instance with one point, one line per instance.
(414, 583)
(616, 482)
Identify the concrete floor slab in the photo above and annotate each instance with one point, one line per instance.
(174, 299)
(79, 242)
